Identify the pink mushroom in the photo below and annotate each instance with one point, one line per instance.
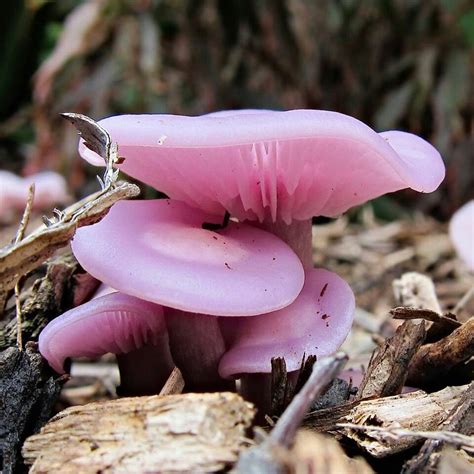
(131, 328)
(461, 231)
(316, 323)
(158, 251)
(273, 170)
(272, 165)
(50, 189)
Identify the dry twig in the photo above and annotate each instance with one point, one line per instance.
(19, 236)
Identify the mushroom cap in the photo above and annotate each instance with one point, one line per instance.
(158, 251)
(280, 165)
(316, 323)
(50, 188)
(461, 231)
(116, 323)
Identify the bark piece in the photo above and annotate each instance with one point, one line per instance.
(433, 361)
(460, 419)
(284, 386)
(176, 433)
(443, 324)
(416, 411)
(18, 259)
(388, 366)
(28, 391)
(455, 461)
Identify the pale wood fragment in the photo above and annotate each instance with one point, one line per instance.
(176, 433)
(459, 419)
(416, 411)
(455, 461)
(416, 291)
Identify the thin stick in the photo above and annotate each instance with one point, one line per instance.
(19, 236)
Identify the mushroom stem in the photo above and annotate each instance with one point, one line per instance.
(257, 389)
(144, 371)
(197, 346)
(298, 235)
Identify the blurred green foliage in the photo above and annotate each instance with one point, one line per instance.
(404, 64)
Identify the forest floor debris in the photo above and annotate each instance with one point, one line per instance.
(413, 322)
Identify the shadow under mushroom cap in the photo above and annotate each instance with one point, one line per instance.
(283, 165)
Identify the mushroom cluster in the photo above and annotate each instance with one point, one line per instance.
(233, 294)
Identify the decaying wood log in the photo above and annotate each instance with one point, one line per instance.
(18, 259)
(65, 285)
(176, 433)
(460, 419)
(28, 391)
(387, 370)
(416, 411)
(433, 361)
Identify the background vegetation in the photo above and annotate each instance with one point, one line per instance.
(404, 64)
